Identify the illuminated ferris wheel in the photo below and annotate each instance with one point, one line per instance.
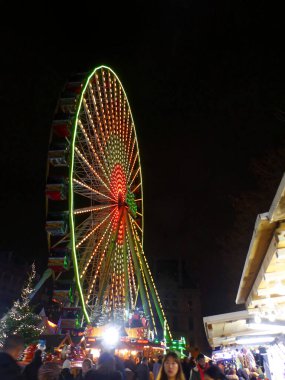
(95, 203)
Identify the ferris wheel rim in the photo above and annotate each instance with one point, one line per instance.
(71, 178)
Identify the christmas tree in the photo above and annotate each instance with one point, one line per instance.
(21, 319)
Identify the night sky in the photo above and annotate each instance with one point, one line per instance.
(206, 86)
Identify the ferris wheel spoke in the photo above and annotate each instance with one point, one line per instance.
(113, 111)
(131, 167)
(89, 259)
(106, 109)
(93, 150)
(92, 126)
(98, 117)
(90, 189)
(105, 123)
(90, 122)
(92, 170)
(134, 177)
(83, 210)
(66, 238)
(108, 259)
(129, 146)
(140, 273)
(94, 230)
(97, 269)
(134, 190)
(136, 224)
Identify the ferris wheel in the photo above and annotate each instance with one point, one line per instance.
(95, 203)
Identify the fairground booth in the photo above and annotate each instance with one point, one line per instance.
(260, 328)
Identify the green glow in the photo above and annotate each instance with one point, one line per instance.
(132, 203)
(71, 168)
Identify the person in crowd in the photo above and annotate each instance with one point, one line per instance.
(31, 370)
(197, 373)
(157, 366)
(192, 363)
(87, 365)
(49, 371)
(231, 374)
(247, 358)
(130, 363)
(243, 373)
(106, 369)
(213, 373)
(171, 368)
(119, 365)
(65, 373)
(142, 371)
(186, 367)
(130, 369)
(12, 348)
(130, 375)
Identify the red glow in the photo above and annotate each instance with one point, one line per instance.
(119, 190)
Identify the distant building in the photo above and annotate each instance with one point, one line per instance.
(13, 275)
(180, 298)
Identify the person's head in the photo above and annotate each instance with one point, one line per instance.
(49, 371)
(201, 360)
(171, 368)
(66, 364)
(14, 345)
(144, 360)
(37, 356)
(214, 373)
(106, 363)
(86, 365)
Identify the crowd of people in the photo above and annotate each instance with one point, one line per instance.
(108, 367)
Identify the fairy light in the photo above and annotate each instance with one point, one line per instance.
(94, 229)
(93, 125)
(83, 158)
(97, 247)
(91, 209)
(106, 123)
(97, 83)
(93, 149)
(98, 115)
(91, 188)
(98, 267)
(95, 132)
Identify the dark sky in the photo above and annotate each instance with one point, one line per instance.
(205, 84)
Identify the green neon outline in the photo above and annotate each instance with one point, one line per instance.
(71, 200)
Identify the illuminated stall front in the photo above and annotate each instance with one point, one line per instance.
(262, 291)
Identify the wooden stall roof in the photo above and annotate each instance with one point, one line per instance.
(264, 230)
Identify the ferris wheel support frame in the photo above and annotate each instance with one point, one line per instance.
(150, 282)
(141, 286)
